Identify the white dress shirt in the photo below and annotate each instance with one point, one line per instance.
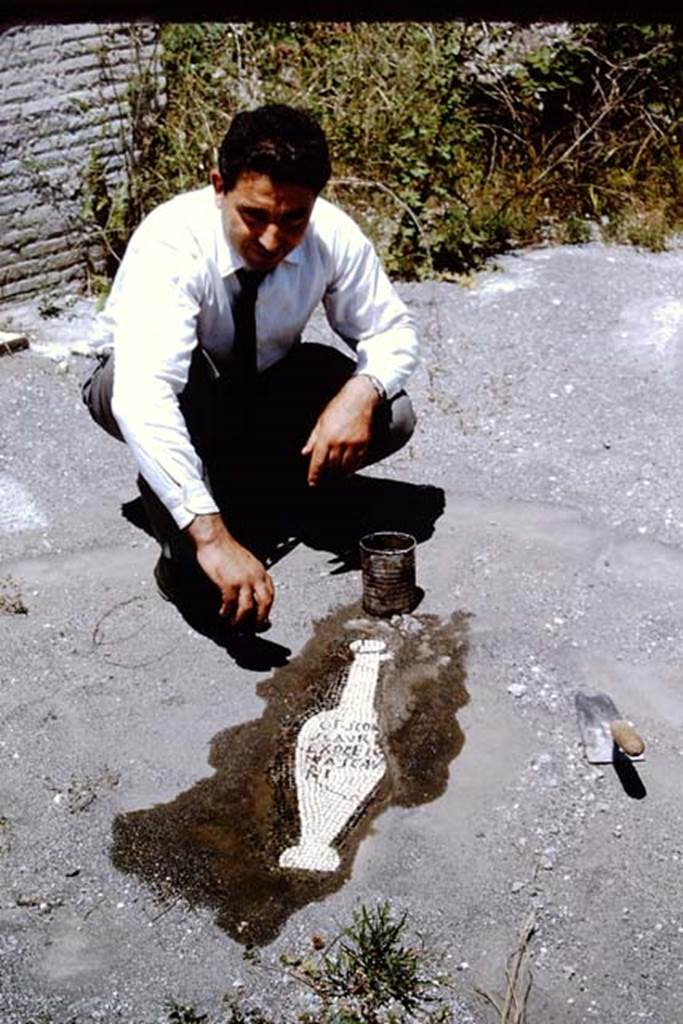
(175, 288)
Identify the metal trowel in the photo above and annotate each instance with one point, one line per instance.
(607, 736)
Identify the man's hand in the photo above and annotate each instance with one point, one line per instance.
(339, 440)
(247, 590)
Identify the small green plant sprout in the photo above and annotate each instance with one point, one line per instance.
(238, 1014)
(11, 600)
(178, 1014)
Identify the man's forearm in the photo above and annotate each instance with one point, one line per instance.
(159, 439)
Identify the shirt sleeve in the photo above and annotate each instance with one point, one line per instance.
(363, 307)
(154, 306)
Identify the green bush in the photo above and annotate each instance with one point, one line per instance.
(451, 142)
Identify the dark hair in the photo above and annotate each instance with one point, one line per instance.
(283, 142)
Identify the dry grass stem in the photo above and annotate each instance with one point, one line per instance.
(512, 1010)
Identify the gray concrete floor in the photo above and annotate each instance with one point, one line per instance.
(550, 416)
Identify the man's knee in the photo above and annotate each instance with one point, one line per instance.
(403, 418)
(394, 426)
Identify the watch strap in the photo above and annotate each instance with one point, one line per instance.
(377, 385)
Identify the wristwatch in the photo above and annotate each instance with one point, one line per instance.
(377, 385)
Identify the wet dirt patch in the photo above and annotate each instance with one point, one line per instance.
(218, 844)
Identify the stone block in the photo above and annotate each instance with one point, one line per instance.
(63, 95)
(11, 342)
(39, 281)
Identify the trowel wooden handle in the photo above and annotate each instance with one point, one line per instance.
(626, 737)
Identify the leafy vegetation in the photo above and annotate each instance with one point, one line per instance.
(372, 976)
(368, 975)
(450, 141)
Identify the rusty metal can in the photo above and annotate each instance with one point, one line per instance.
(388, 572)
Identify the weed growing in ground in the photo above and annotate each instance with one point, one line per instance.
(369, 974)
(179, 1014)
(11, 600)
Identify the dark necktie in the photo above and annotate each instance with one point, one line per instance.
(243, 314)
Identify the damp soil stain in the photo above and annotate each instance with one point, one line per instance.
(218, 844)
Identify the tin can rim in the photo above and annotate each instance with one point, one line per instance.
(388, 542)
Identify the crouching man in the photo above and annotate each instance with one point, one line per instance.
(228, 414)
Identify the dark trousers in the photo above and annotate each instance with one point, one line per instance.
(250, 437)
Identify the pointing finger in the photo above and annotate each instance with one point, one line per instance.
(310, 444)
(317, 464)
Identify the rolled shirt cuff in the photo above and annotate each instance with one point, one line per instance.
(196, 500)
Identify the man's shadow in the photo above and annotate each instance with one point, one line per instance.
(332, 518)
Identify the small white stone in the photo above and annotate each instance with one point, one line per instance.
(81, 348)
(517, 689)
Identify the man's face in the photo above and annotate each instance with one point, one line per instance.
(263, 219)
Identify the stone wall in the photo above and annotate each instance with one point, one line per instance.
(68, 136)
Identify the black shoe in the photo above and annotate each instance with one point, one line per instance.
(163, 576)
(186, 587)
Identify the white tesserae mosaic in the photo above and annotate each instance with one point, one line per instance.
(338, 763)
